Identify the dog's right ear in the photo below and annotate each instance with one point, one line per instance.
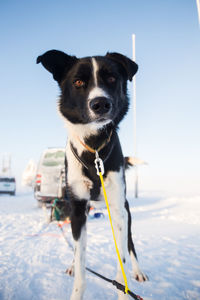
(127, 65)
(57, 62)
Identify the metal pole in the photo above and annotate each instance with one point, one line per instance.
(134, 121)
(198, 9)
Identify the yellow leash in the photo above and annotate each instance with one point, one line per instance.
(100, 171)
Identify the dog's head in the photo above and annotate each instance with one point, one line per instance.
(93, 89)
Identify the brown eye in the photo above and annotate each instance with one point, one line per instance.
(79, 83)
(111, 79)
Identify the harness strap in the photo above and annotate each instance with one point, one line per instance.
(118, 285)
(77, 157)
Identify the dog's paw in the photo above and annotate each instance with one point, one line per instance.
(70, 271)
(140, 276)
(137, 273)
(122, 296)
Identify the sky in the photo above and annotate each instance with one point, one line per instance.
(167, 83)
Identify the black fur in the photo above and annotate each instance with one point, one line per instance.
(78, 216)
(67, 69)
(131, 246)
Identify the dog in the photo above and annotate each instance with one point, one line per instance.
(93, 102)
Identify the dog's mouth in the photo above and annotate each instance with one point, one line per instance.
(102, 119)
(100, 123)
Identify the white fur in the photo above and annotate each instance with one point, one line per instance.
(95, 70)
(79, 184)
(94, 93)
(79, 267)
(80, 130)
(97, 92)
(115, 189)
(137, 273)
(85, 130)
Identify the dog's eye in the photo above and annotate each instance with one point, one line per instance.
(79, 83)
(111, 79)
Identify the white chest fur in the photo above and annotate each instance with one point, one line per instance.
(79, 184)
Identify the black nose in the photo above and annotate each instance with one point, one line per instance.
(100, 105)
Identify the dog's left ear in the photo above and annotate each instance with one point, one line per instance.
(128, 65)
(57, 62)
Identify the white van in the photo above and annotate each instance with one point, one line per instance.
(50, 175)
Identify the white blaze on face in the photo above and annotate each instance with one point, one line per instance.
(96, 91)
(95, 70)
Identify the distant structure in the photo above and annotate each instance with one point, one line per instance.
(5, 169)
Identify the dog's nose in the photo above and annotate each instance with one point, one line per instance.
(100, 105)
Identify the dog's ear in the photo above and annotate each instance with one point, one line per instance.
(128, 65)
(57, 62)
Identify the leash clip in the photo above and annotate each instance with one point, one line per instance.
(99, 164)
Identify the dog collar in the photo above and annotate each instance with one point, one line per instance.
(91, 150)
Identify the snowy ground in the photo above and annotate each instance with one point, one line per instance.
(166, 235)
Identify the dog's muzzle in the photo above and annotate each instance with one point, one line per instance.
(100, 106)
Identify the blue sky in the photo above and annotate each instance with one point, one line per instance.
(168, 81)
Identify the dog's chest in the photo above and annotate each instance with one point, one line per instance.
(82, 186)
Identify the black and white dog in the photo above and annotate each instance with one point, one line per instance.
(93, 101)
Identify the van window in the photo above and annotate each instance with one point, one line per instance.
(7, 179)
(53, 159)
(12, 179)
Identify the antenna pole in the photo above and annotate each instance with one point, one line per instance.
(134, 121)
(198, 10)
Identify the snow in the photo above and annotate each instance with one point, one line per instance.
(34, 255)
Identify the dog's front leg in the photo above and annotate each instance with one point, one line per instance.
(120, 228)
(116, 198)
(138, 274)
(78, 224)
